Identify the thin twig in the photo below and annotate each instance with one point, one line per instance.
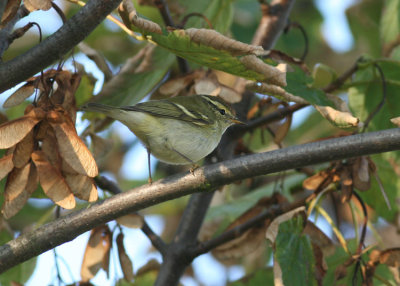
(188, 16)
(271, 213)
(166, 15)
(155, 239)
(342, 79)
(383, 100)
(107, 184)
(362, 237)
(5, 33)
(305, 37)
(59, 12)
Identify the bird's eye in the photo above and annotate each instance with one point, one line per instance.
(222, 111)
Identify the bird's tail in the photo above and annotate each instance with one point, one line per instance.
(98, 107)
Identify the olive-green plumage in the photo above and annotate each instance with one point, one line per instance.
(178, 130)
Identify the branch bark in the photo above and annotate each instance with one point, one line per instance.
(204, 179)
(274, 19)
(77, 28)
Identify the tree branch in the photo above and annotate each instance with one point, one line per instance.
(57, 45)
(204, 179)
(273, 21)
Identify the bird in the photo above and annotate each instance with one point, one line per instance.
(178, 130)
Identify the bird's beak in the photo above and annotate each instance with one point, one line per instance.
(237, 121)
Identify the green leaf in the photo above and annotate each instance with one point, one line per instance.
(132, 88)
(300, 84)
(364, 97)
(259, 277)
(391, 185)
(336, 261)
(180, 43)
(85, 90)
(390, 21)
(294, 254)
(235, 208)
(323, 75)
(218, 12)
(364, 19)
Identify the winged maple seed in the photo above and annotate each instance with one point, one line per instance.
(44, 148)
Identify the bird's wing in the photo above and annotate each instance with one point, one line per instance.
(168, 109)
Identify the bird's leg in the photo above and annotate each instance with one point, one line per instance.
(194, 165)
(149, 166)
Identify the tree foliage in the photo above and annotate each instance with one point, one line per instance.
(267, 59)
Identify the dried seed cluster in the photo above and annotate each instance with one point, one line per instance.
(44, 147)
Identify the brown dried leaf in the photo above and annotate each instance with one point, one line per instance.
(124, 260)
(241, 246)
(33, 5)
(67, 84)
(19, 96)
(390, 257)
(6, 165)
(206, 85)
(71, 147)
(312, 183)
(97, 253)
(319, 238)
(272, 74)
(278, 279)
(10, 11)
(23, 150)
(283, 130)
(15, 201)
(131, 220)
(396, 121)
(347, 185)
(218, 41)
(49, 145)
(273, 228)
(100, 146)
(174, 86)
(82, 187)
(151, 265)
(98, 59)
(276, 91)
(14, 131)
(262, 107)
(15, 193)
(127, 10)
(210, 85)
(252, 239)
(360, 173)
(341, 119)
(52, 182)
(320, 265)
